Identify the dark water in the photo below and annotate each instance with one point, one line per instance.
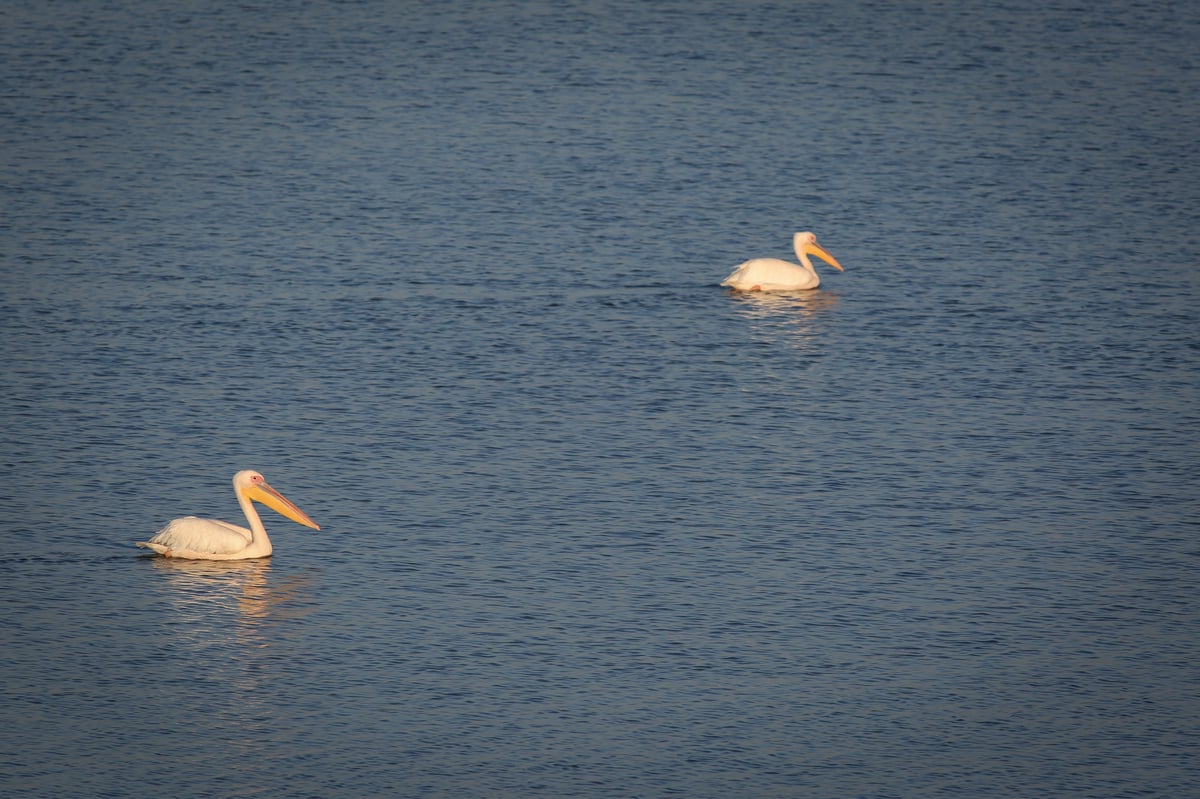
(593, 526)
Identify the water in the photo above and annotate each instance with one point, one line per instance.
(593, 526)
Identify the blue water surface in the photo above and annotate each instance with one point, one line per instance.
(593, 526)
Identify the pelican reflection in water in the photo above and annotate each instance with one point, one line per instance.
(772, 274)
(211, 539)
(793, 319)
(202, 589)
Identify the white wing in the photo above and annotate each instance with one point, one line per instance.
(770, 274)
(192, 534)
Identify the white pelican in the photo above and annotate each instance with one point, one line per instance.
(772, 274)
(210, 539)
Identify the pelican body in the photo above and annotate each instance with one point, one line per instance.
(211, 539)
(772, 274)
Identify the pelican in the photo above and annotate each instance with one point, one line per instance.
(211, 539)
(772, 274)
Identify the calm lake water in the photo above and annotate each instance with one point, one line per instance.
(593, 526)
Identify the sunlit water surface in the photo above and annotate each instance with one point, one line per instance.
(592, 525)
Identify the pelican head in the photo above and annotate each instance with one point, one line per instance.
(252, 485)
(805, 243)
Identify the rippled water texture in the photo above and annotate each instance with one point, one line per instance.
(447, 274)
